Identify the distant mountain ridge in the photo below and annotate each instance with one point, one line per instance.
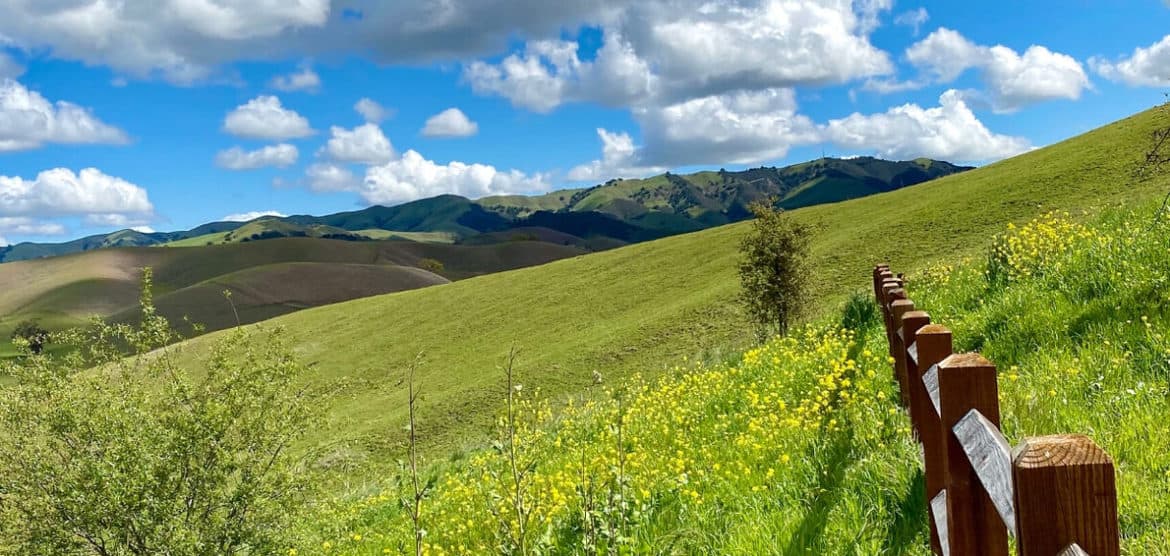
(617, 212)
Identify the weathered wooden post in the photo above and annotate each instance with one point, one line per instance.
(967, 382)
(934, 344)
(1066, 493)
(911, 322)
(877, 281)
(898, 309)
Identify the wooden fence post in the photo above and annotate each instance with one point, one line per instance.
(934, 345)
(1065, 493)
(911, 322)
(898, 308)
(877, 280)
(967, 382)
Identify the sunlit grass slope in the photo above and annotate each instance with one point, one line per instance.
(642, 307)
(800, 446)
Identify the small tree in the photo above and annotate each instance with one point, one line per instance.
(431, 265)
(33, 334)
(772, 269)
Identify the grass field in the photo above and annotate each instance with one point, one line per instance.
(800, 446)
(641, 308)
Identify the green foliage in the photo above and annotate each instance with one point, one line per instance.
(860, 312)
(106, 454)
(32, 335)
(431, 265)
(773, 269)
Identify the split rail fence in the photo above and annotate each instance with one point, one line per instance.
(1056, 495)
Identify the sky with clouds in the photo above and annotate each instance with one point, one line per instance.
(164, 114)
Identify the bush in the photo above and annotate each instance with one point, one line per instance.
(772, 269)
(431, 265)
(107, 454)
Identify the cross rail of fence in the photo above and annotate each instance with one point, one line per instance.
(1056, 495)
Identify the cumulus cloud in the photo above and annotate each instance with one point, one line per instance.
(236, 158)
(28, 120)
(949, 131)
(619, 159)
(414, 177)
(451, 122)
(365, 144)
(60, 192)
(250, 216)
(327, 177)
(1148, 66)
(1012, 80)
(660, 54)
(24, 225)
(181, 41)
(304, 79)
(913, 19)
(371, 111)
(741, 127)
(265, 118)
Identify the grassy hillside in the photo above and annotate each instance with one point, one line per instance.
(642, 307)
(800, 446)
(64, 291)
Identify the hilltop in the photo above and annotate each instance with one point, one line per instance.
(607, 215)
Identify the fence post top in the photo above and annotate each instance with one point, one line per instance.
(934, 330)
(965, 361)
(1059, 450)
(915, 314)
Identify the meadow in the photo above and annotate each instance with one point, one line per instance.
(641, 308)
(799, 445)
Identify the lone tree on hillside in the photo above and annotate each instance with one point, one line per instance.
(32, 332)
(772, 268)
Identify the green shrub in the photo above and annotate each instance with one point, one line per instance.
(106, 454)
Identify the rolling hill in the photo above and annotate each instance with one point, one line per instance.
(600, 217)
(267, 278)
(639, 308)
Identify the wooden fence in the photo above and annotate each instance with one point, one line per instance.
(1055, 494)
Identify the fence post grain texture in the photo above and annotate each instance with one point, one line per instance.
(1056, 494)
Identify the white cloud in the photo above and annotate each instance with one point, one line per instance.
(60, 191)
(618, 159)
(24, 225)
(661, 53)
(371, 111)
(303, 80)
(250, 216)
(265, 118)
(451, 122)
(914, 19)
(326, 177)
(414, 177)
(143, 229)
(235, 158)
(1148, 66)
(949, 131)
(741, 127)
(182, 41)
(365, 144)
(28, 120)
(1013, 80)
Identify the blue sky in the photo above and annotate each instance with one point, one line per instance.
(119, 113)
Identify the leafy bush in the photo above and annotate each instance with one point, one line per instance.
(772, 271)
(101, 453)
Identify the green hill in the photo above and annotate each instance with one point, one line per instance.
(602, 217)
(641, 307)
(267, 278)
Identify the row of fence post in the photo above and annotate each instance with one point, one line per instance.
(1055, 494)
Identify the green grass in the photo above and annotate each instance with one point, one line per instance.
(641, 307)
(799, 446)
